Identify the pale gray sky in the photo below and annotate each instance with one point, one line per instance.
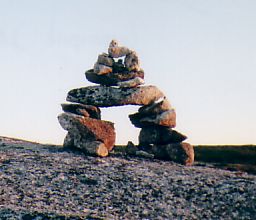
(201, 53)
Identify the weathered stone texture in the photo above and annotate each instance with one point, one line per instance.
(159, 135)
(181, 153)
(167, 119)
(101, 96)
(112, 78)
(83, 110)
(83, 129)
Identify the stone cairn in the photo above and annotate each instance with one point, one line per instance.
(121, 83)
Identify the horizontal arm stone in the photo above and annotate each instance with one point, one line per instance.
(102, 96)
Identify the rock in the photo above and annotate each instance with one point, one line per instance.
(83, 130)
(131, 83)
(118, 67)
(94, 148)
(167, 118)
(145, 154)
(181, 153)
(157, 107)
(132, 62)
(102, 96)
(69, 141)
(159, 135)
(83, 110)
(100, 69)
(105, 59)
(116, 51)
(112, 79)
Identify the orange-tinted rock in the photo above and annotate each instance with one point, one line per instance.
(83, 129)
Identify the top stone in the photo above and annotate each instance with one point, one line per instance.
(124, 72)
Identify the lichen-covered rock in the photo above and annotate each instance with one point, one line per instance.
(167, 118)
(102, 96)
(82, 130)
(159, 135)
(83, 110)
(181, 153)
(112, 78)
(116, 51)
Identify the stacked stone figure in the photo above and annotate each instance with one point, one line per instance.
(120, 83)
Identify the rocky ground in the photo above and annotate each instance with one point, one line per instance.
(46, 182)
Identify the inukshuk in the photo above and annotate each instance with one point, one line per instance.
(121, 83)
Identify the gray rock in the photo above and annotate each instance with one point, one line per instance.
(181, 153)
(159, 135)
(105, 59)
(167, 118)
(137, 81)
(95, 148)
(102, 96)
(132, 62)
(69, 141)
(157, 107)
(112, 78)
(82, 130)
(83, 110)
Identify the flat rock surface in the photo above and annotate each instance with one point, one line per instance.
(102, 96)
(48, 182)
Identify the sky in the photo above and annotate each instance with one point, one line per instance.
(200, 53)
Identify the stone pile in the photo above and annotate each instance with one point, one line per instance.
(120, 83)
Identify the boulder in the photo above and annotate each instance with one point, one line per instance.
(102, 96)
(167, 119)
(89, 111)
(181, 153)
(82, 129)
(159, 135)
(112, 78)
